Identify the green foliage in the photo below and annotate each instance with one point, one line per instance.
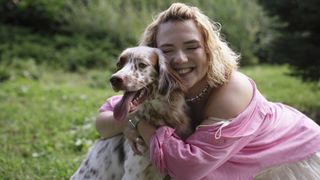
(39, 14)
(121, 21)
(243, 22)
(90, 34)
(299, 43)
(244, 25)
(17, 68)
(71, 53)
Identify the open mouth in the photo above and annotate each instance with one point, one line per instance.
(130, 102)
(139, 97)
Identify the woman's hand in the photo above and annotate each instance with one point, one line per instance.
(136, 142)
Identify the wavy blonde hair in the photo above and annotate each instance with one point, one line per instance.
(222, 59)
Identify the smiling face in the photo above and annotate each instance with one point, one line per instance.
(183, 45)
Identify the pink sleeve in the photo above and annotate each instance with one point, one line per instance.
(110, 103)
(199, 155)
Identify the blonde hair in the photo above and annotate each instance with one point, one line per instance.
(222, 60)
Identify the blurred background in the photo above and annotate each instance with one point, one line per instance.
(56, 58)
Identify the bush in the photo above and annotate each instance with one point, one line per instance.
(245, 29)
(92, 33)
(244, 25)
(17, 68)
(71, 53)
(40, 14)
(100, 18)
(298, 44)
(4, 74)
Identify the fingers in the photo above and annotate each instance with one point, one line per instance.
(139, 141)
(137, 146)
(134, 148)
(134, 139)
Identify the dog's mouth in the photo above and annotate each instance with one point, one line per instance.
(130, 102)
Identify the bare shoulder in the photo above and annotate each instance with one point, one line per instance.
(231, 99)
(240, 85)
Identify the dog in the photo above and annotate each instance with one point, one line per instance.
(152, 92)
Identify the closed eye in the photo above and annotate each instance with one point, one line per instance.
(166, 51)
(193, 47)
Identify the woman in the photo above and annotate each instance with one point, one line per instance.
(238, 134)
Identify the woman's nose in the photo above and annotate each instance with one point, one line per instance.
(180, 57)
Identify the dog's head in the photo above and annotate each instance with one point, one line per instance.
(141, 72)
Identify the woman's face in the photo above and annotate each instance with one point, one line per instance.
(182, 43)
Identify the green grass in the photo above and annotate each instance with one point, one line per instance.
(276, 85)
(46, 123)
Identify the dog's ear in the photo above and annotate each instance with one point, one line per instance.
(169, 80)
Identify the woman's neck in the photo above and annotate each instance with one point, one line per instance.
(199, 106)
(198, 90)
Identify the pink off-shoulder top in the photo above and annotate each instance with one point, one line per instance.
(264, 135)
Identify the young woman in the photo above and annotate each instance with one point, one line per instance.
(238, 134)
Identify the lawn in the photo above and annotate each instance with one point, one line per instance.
(276, 85)
(47, 120)
(47, 124)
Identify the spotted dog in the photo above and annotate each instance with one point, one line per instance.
(152, 92)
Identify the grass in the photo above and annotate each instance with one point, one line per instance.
(275, 84)
(47, 122)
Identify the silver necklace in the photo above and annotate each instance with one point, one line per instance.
(200, 95)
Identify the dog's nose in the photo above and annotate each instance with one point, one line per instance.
(116, 81)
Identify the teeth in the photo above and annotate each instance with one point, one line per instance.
(183, 71)
(136, 99)
(141, 94)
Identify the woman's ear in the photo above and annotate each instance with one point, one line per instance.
(168, 79)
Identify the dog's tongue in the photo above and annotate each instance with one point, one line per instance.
(122, 108)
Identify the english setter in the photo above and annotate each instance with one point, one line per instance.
(153, 92)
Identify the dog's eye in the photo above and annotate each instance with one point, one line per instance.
(142, 65)
(121, 62)
(119, 65)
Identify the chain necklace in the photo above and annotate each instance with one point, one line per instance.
(200, 95)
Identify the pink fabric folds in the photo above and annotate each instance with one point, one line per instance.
(265, 134)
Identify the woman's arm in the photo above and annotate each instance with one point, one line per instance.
(194, 158)
(107, 126)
